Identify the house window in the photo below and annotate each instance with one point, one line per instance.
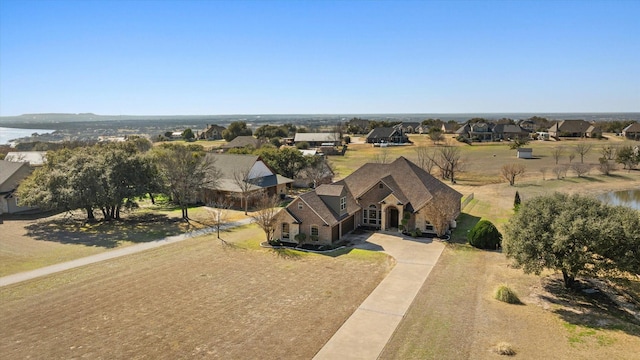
(299, 205)
(314, 233)
(364, 216)
(428, 226)
(285, 230)
(343, 203)
(374, 215)
(380, 186)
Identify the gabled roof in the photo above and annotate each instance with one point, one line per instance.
(329, 190)
(449, 126)
(317, 137)
(635, 127)
(8, 169)
(243, 141)
(381, 132)
(509, 129)
(34, 158)
(313, 200)
(570, 126)
(406, 179)
(229, 164)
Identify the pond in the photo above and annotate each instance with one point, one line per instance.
(630, 198)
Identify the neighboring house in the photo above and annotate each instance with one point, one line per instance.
(632, 131)
(245, 141)
(449, 128)
(574, 128)
(212, 132)
(378, 196)
(11, 174)
(34, 158)
(524, 153)
(411, 127)
(509, 132)
(318, 139)
(527, 124)
(249, 169)
(393, 134)
(478, 131)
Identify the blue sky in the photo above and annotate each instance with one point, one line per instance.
(323, 57)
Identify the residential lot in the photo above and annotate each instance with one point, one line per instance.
(198, 298)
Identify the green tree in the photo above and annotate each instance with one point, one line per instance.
(573, 234)
(484, 235)
(286, 161)
(235, 129)
(436, 135)
(516, 201)
(628, 156)
(185, 173)
(188, 135)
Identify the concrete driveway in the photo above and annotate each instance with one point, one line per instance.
(365, 334)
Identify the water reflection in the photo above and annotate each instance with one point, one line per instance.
(630, 198)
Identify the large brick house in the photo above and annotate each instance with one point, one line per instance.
(632, 131)
(211, 132)
(574, 128)
(399, 195)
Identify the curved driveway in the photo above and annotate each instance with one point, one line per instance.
(365, 334)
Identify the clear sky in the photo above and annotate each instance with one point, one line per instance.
(325, 57)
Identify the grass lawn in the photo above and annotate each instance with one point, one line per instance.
(27, 244)
(197, 298)
(455, 316)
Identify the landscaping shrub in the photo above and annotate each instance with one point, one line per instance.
(484, 236)
(505, 294)
(504, 348)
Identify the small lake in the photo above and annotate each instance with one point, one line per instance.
(7, 134)
(629, 198)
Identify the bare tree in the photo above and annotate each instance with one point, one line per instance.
(241, 179)
(560, 171)
(571, 157)
(441, 210)
(609, 152)
(318, 170)
(219, 212)
(511, 171)
(436, 135)
(605, 166)
(449, 160)
(265, 215)
(543, 171)
(556, 153)
(581, 169)
(382, 157)
(582, 148)
(424, 160)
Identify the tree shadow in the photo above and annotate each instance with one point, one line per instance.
(465, 222)
(587, 307)
(107, 234)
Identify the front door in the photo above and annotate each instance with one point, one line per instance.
(393, 217)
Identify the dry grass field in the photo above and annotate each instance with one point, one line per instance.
(28, 243)
(455, 316)
(200, 298)
(193, 299)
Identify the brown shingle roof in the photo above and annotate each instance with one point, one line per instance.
(243, 141)
(329, 190)
(406, 179)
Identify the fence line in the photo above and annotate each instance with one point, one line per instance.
(466, 201)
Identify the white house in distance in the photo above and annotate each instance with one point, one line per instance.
(11, 174)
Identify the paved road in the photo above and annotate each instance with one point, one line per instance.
(365, 334)
(28, 275)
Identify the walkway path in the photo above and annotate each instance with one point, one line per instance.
(28, 275)
(365, 334)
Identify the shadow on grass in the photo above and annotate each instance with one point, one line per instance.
(107, 234)
(465, 223)
(588, 309)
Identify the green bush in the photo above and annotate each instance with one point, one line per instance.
(505, 294)
(484, 235)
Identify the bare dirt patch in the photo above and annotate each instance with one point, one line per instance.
(197, 298)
